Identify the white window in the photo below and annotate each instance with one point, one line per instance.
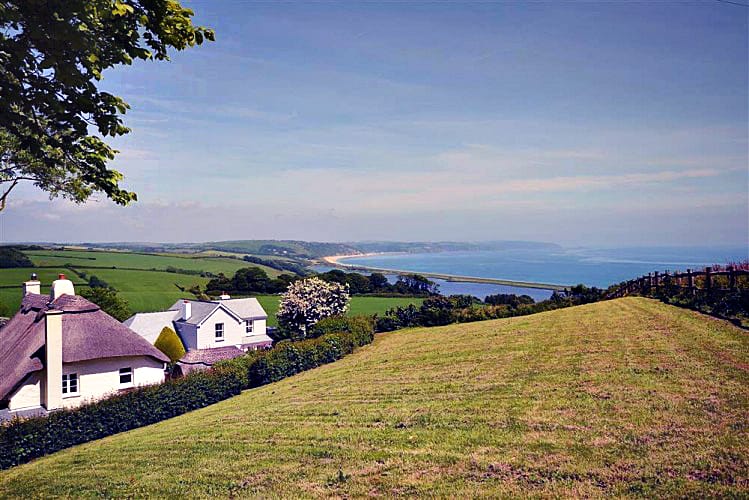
(219, 332)
(248, 325)
(70, 384)
(126, 377)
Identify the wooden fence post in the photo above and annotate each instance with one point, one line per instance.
(690, 282)
(731, 278)
(708, 278)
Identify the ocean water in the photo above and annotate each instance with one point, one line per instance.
(561, 266)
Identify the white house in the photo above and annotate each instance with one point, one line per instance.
(211, 330)
(61, 350)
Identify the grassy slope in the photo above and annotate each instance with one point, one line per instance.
(622, 397)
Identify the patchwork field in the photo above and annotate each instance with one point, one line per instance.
(625, 398)
(155, 291)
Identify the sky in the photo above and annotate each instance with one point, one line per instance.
(580, 123)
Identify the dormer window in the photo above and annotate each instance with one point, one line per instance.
(248, 326)
(219, 332)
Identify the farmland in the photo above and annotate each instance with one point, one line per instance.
(628, 397)
(142, 280)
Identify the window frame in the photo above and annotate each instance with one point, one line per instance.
(249, 326)
(128, 371)
(216, 330)
(67, 378)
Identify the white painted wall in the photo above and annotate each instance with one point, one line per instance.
(29, 395)
(96, 379)
(101, 377)
(234, 330)
(259, 327)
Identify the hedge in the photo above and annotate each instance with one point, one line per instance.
(288, 358)
(24, 440)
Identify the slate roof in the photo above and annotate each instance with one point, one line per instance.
(211, 355)
(87, 333)
(244, 308)
(149, 325)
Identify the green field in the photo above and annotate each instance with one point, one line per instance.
(629, 397)
(359, 305)
(10, 298)
(148, 291)
(83, 259)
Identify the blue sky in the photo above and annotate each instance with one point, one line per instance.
(578, 123)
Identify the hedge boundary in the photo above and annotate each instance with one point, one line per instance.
(23, 440)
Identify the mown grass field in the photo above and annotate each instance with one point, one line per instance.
(83, 259)
(627, 398)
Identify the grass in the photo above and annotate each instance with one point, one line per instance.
(359, 305)
(629, 397)
(84, 258)
(148, 291)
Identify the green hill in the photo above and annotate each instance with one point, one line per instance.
(625, 397)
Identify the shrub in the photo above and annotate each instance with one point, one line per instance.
(308, 301)
(288, 358)
(361, 327)
(170, 344)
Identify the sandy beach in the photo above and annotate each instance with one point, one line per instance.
(333, 259)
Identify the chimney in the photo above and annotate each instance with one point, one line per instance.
(52, 383)
(32, 286)
(61, 286)
(224, 296)
(186, 310)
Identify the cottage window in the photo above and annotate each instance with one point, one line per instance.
(219, 332)
(248, 325)
(70, 384)
(126, 377)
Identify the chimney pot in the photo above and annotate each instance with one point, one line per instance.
(61, 286)
(32, 286)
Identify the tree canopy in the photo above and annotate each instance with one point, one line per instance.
(52, 54)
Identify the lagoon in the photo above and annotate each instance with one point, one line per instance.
(599, 267)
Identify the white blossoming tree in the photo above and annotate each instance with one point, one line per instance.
(308, 301)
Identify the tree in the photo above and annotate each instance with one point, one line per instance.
(52, 55)
(250, 279)
(109, 302)
(308, 301)
(170, 344)
(13, 257)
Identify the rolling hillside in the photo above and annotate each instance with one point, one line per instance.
(625, 397)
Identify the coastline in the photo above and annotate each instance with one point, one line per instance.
(334, 260)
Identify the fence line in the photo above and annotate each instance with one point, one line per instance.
(686, 281)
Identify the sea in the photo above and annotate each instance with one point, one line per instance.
(598, 267)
